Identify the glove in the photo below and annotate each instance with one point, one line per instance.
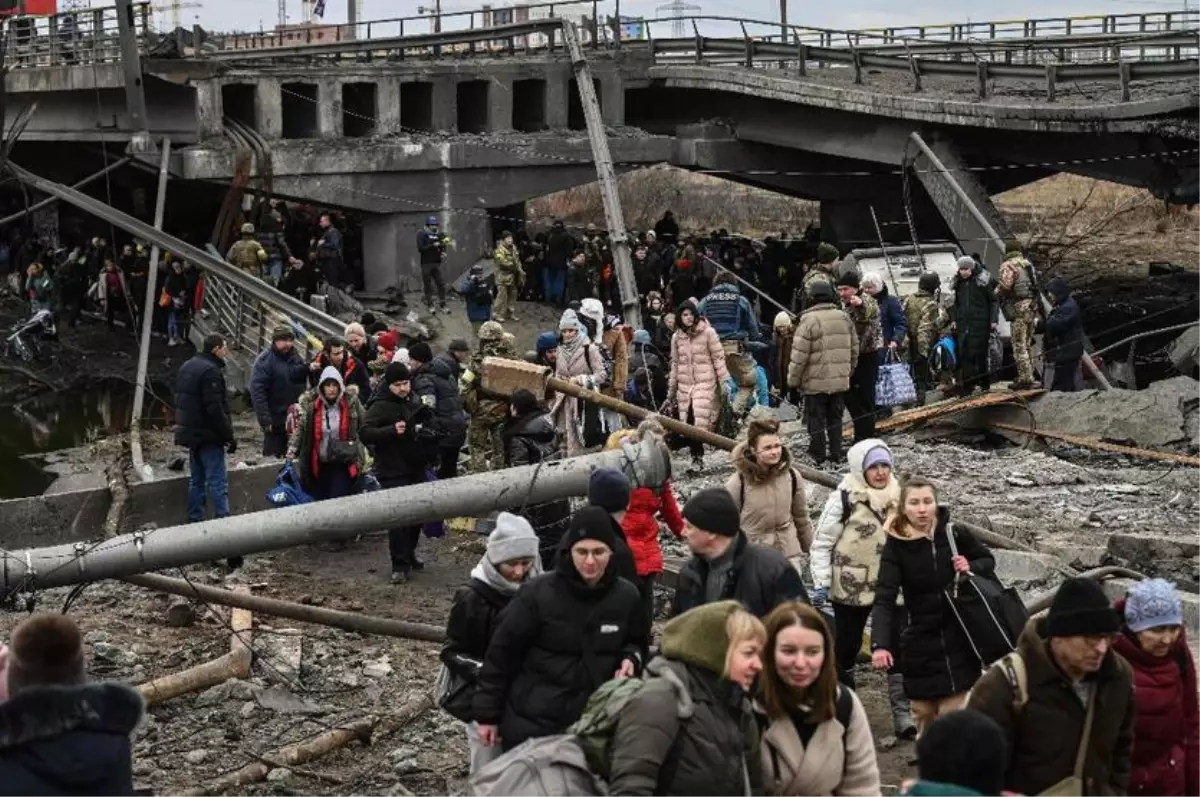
(819, 596)
(231, 447)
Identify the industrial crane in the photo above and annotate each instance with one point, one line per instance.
(175, 6)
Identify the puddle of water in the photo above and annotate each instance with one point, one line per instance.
(65, 419)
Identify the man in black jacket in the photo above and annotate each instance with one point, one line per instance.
(1063, 343)
(397, 427)
(560, 638)
(203, 426)
(727, 566)
(436, 386)
(976, 313)
(276, 382)
(530, 438)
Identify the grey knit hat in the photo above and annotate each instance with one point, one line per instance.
(513, 538)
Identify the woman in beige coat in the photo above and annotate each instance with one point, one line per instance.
(579, 361)
(770, 493)
(697, 372)
(816, 739)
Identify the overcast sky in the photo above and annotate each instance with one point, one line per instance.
(253, 14)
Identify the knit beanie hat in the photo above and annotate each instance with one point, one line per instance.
(590, 523)
(513, 538)
(965, 262)
(641, 337)
(965, 748)
(879, 455)
(388, 340)
(400, 355)
(713, 510)
(396, 372)
(826, 253)
(420, 352)
(698, 636)
(1152, 603)
(546, 341)
(821, 291)
(848, 280)
(282, 332)
(1080, 608)
(570, 320)
(609, 489)
(45, 649)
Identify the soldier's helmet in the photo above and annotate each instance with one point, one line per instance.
(491, 330)
(247, 229)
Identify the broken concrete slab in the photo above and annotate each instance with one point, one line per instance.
(1150, 418)
(1019, 566)
(1084, 557)
(1172, 558)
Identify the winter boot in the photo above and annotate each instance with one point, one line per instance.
(902, 719)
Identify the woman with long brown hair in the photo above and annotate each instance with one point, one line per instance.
(816, 737)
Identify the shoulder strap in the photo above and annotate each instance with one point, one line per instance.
(1013, 667)
(950, 538)
(670, 764)
(795, 481)
(742, 491)
(844, 707)
(1087, 733)
(847, 508)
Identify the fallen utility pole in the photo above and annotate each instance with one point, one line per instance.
(500, 375)
(614, 218)
(1099, 445)
(347, 621)
(143, 471)
(48, 201)
(645, 464)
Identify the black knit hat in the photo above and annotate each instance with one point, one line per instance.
(848, 280)
(608, 488)
(421, 352)
(1081, 608)
(396, 372)
(826, 253)
(713, 510)
(590, 523)
(964, 748)
(820, 291)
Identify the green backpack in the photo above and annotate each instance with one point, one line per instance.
(597, 725)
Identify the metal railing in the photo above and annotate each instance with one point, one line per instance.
(74, 38)
(247, 321)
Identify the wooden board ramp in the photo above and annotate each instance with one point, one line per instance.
(947, 407)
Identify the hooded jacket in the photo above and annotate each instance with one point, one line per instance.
(846, 550)
(892, 320)
(69, 740)
(353, 371)
(435, 385)
(1166, 738)
(824, 350)
(321, 423)
(557, 641)
(1064, 325)
(934, 654)
(688, 726)
(975, 309)
(772, 502)
(528, 440)
(1043, 735)
(697, 370)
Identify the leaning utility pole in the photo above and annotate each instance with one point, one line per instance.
(598, 137)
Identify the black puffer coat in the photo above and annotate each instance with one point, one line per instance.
(761, 579)
(68, 740)
(399, 457)
(473, 619)
(436, 386)
(201, 403)
(528, 440)
(558, 640)
(935, 656)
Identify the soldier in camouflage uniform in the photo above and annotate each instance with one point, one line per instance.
(509, 278)
(921, 311)
(822, 271)
(1017, 301)
(864, 312)
(248, 254)
(488, 410)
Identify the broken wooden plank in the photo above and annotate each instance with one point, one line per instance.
(946, 408)
(1100, 445)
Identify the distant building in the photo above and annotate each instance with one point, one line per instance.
(283, 36)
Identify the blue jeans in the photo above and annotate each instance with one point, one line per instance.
(207, 478)
(554, 283)
(173, 325)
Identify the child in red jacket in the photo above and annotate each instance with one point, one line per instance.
(640, 524)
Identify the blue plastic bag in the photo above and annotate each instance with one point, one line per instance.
(287, 490)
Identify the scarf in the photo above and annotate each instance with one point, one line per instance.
(567, 349)
(486, 572)
(883, 501)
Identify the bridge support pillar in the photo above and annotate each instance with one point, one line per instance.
(329, 109)
(500, 105)
(558, 82)
(612, 102)
(268, 108)
(445, 105)
(209, 111)
(387, 113)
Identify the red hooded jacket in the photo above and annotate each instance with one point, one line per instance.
(1166, 739)
(641, 525)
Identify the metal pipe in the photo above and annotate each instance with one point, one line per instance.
(347, 621)
(139, 389)
(646, 464)
(726, 444)
(1138, 336)
(48, 201)
(1043, 601)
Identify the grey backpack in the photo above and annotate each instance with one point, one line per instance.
(547, 766)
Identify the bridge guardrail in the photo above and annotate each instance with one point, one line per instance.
(84, 37)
